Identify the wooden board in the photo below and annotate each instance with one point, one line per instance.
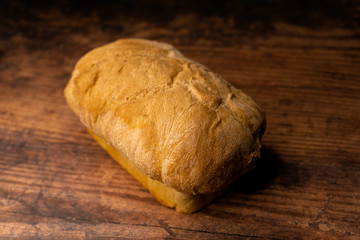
(300, 61)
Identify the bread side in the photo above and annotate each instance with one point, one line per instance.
(178, 122)
(169, 197)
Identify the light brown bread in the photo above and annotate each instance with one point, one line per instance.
(174, 119)
(167, 196)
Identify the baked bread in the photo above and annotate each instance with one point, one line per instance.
(167, 119)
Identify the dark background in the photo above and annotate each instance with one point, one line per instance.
(299, 60)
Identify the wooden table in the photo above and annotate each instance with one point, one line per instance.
(299, 60)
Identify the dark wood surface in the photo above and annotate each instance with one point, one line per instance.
(299, 60)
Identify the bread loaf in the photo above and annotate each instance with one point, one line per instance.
(173, 119)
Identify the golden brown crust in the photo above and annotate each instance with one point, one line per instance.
(167, 196)
(177, 121)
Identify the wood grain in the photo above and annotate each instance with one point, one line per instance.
(299, 60)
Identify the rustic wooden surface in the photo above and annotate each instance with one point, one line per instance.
(299, 60)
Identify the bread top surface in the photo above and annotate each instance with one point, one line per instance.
(177, 121)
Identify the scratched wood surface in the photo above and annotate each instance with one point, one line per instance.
(299, 60)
